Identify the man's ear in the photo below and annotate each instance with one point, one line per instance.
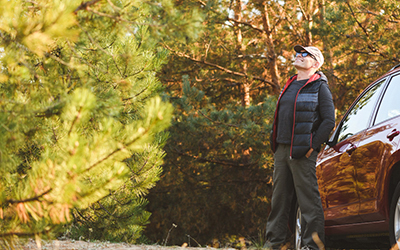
(316, 65)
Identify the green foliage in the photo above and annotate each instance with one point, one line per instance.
(245, 50)
(81, 125)
(217, 169)
(362, 37)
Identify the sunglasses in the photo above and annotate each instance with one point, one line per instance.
(304, 54)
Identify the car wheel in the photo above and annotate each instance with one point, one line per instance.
(394, 224)
(297, 228)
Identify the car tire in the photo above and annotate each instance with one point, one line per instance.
(394, 223)
(297, 227)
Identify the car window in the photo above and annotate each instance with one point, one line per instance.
(358, 117)
(389, 106)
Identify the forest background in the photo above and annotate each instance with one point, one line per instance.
(113, 110)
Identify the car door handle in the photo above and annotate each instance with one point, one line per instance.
(393, 134)
(351, 149)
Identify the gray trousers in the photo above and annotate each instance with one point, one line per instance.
(294, 176)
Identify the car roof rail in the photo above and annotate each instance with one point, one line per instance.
(395, 67)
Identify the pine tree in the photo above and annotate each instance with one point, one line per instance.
(217, 172)
(81, 122)
(242, 58)
(362, 40)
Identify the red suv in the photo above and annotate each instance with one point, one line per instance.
(359, 170)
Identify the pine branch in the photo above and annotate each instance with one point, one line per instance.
(113, 215)
(85, 5)
(54, 135)
(113, 6)
(138, 94)
(36, 198)
(77, 117)
(180, 54)
(94, 42)
(379, 15)
(84, 219)
(370, 46)
(81, 58)
(136, 173)
(91, 192)
(139, 71)
(232, 19)
(247, 24)
(232, 81)
(289, 19)
(117, 150)
(355, 18)
(216, 122)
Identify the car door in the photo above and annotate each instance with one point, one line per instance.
(374, 153)
(337, 175)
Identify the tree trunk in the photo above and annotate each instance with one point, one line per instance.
(241, 47)
(272, 67)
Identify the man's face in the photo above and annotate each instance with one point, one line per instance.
(303, 61)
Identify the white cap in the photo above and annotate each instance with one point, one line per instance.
(313, 51)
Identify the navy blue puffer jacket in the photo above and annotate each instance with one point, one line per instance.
(306, 116)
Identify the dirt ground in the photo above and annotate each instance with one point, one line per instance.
(84, 245)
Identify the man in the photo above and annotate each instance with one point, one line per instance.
(303, 120)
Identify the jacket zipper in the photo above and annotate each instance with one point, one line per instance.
(277, 105)
(294, 115)
(294, 121)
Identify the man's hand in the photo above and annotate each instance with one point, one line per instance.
(309, 152)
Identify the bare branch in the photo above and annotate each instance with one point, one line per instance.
(233, 82)
(180, 54)
(355, 18)
(247, 24)
(302, 9)
(366, 11)
(370, 46)
(113, 6)
(232, 19)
